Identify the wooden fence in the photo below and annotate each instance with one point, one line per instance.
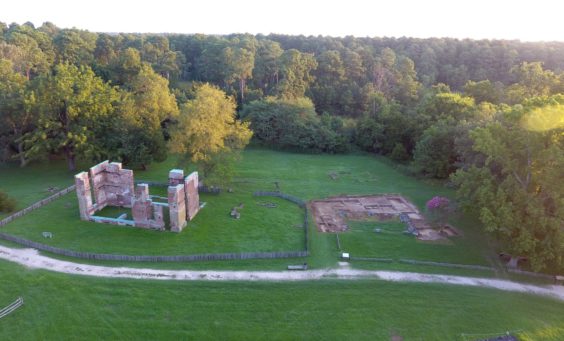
(285, 196)
(296, 201)
(533, 274)
(372, 259)
(338, 241)
(13, 306)
(447, 265)
(143, 258)
(151, 183)
(36, 205)
(201, 189)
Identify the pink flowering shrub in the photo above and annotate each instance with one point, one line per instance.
(439, 209)
(438, 203)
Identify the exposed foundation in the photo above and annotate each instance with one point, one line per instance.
(332, 214)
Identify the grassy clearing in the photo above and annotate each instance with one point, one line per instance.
(212, 231)
(72, 307)
(30, 184)
(77, 308)
(260, 228)
(391, 242)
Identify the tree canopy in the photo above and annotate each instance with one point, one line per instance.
(71, 103)
(484, 115)
(208, 132)
(518, 190)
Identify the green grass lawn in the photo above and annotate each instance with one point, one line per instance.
(212, 231)
(362, 241)
(260, 228)
(30, 184)
(63, 307)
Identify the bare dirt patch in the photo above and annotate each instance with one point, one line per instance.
(332, 214)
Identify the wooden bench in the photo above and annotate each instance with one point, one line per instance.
(298, 267)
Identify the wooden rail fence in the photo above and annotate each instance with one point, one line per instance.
(296, 201)
(144, 258)
(36, 205)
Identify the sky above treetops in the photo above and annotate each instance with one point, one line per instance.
(527, 20)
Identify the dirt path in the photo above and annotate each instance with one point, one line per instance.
(32, 259)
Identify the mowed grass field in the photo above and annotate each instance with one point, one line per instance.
(361, 240)
(31, 183)
(212, 231)
(65, 307)
(260, 228)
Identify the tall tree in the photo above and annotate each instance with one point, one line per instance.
(26, 53)
(75, 46)
(147, 111)
(165, 62)
(238, 65)
(131, 137)
(125, 67)
(72, 102)
(106, 50)
(435, 154)
(484, 91)
(296, 70)
(16, 118)
(267, 65)
(448, 105)
(534, 80)
(152, 96)
(329, 75)
(209, 134)
(518, 191)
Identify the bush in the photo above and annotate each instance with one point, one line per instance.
(293, 124)
(439, 210)
(435, 153)
(399, 153)
(7, 204)
(369, 135)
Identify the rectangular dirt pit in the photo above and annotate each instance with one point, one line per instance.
(358, 208)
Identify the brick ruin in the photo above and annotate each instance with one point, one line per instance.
(145, 212)
(107, 184)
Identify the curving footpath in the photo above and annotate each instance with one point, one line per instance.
(32, 259)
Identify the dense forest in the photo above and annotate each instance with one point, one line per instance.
(486, 116)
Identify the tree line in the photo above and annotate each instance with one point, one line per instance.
(484, 115)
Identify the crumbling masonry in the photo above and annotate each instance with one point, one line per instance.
(114, 186)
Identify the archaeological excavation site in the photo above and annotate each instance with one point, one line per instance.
(107, 184)
(332, 214)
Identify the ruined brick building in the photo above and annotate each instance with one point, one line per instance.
(107, 184)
